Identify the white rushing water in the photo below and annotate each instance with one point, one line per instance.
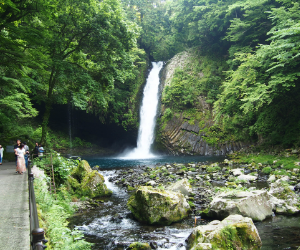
(147, 116)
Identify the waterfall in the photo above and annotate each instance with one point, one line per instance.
(147, 115)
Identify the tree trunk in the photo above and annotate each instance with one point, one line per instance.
(48, 107)
(45, 121)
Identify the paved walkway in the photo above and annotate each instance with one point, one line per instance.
(14, 209)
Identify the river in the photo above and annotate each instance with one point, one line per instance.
(111, 226)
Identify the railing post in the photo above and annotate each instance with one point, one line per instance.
(37, 235)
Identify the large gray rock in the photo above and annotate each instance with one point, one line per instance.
(254, 204)
(247, 177)
(237, 171)
(155, 206)
(234, 232)
(283, 199)
(183, 186)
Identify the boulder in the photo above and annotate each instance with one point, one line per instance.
(93, 185)
(234, 232)
(79, 172)
(283, 199)
(85, 181)
(272, 178)
(237, 171)
(247, 178)
(183, 186)
(151, 183)
(156, 206)
(254, 204)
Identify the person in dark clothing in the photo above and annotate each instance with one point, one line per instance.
(36, 150)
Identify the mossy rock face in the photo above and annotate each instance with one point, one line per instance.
(73, 183)
(139, 246)
(87, 182)
(234, 232)
(156, 206)
(81, 170)
(93, 185)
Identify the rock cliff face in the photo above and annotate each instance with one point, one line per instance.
(185, 134)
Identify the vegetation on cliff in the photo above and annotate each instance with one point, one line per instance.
(255, 91)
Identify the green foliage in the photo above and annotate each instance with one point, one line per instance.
(267, 170)
(259, 97)
(65, 52)
(53, 214)
(168, 114)
(182, 93)
(213, 169)
(61, 166)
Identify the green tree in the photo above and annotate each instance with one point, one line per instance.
(15, 60)
(260, 97)
(85, 50)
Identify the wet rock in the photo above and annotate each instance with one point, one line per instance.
(155, 206)
(182, 186)
(297, 187)
(283, 199)
(247, 178)
(253, 204)
(234, 232)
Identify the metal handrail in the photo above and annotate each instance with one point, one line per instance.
(37, 235)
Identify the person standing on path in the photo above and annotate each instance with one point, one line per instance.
(36, 150)
(26, 156)
(41, 151)
(15, 149)
(21, 167)
(1, 154)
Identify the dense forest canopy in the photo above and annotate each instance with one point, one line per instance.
(93, 54)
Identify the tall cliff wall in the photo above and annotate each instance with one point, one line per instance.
(189, 130)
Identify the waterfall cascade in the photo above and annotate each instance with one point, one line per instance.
(147, 115)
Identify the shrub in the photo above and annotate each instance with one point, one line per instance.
(267, 170)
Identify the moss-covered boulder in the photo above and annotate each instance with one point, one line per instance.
(156, 206)
(139, 246)
(81, 170)
(234, 232)
(85, 181)
(283, 199)
(93, 185)
(254, 204)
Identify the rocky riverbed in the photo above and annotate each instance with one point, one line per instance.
(243, 183)
(206, 179)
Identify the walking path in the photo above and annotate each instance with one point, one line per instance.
(14, 209)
